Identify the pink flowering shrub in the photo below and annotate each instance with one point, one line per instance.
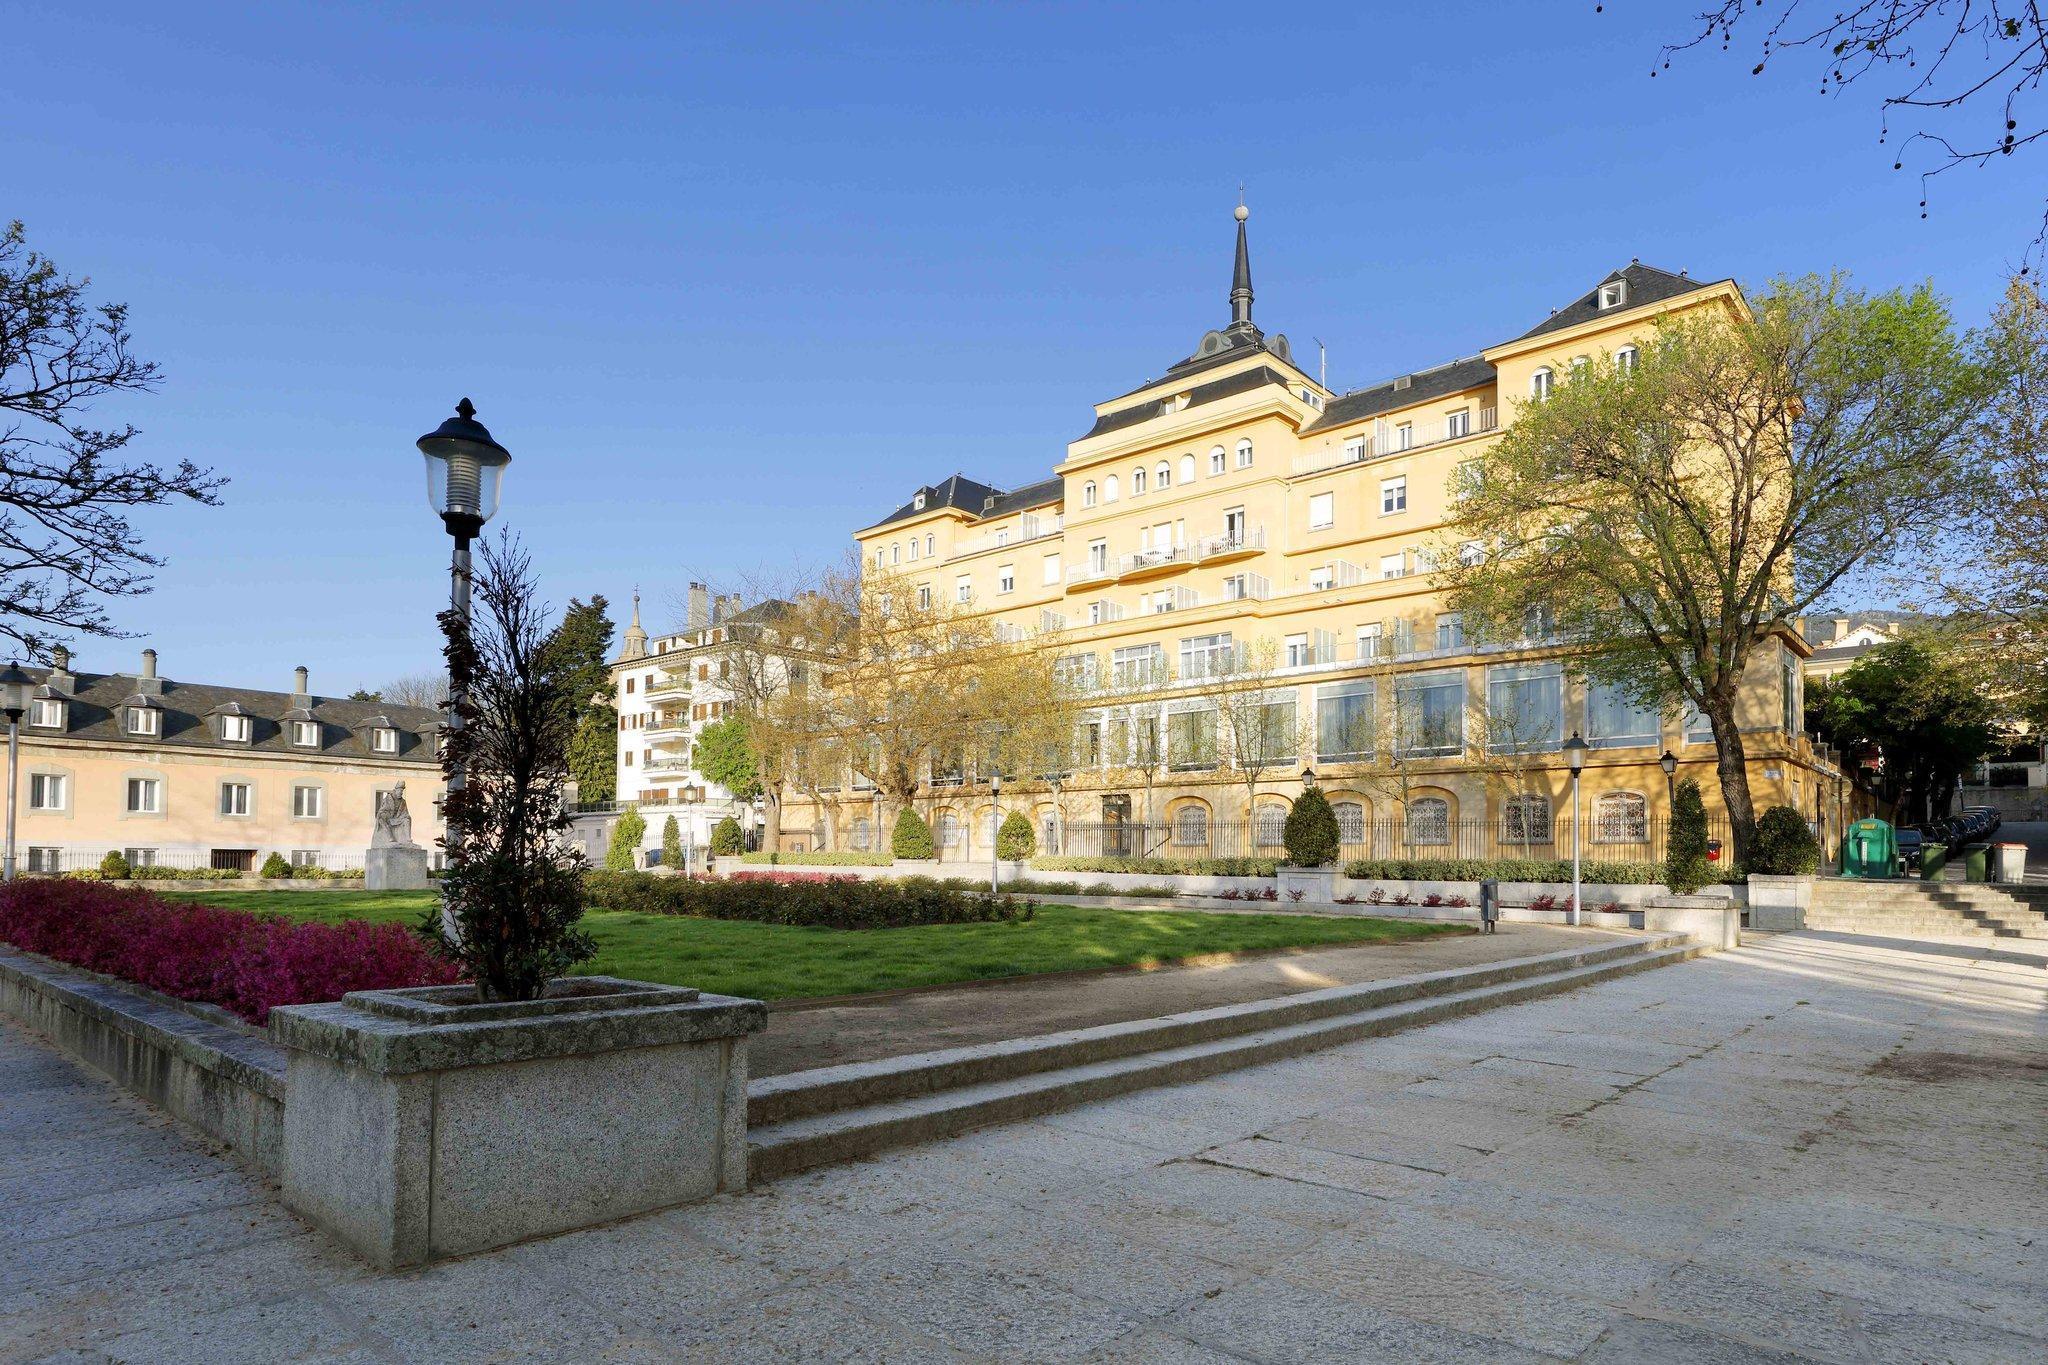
(247, 964)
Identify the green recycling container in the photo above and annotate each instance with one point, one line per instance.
(1933, 858)
(1869, 849)
(1976, 862)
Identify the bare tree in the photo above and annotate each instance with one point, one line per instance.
(1965, 73)
(1259, 726)
(427, 691)
(66, 543)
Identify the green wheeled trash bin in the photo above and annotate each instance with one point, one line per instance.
(1976, 862)
(1869, 849)
(1933, 858)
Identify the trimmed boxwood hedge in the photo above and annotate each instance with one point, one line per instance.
(1501, 869)
(847, 904)
(818, 859)
(1164, 867)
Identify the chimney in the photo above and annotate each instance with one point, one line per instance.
(1891, 628)
(1841, 628)
(299, 681)
(59, 677)
(146, 680)
(717, 608)
(700, 607)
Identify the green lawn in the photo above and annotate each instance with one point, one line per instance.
(771, 962)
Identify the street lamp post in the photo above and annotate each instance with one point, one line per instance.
(1575, 754)
(1669, 763)
(995, 831)
(14, 685)
(464, 468)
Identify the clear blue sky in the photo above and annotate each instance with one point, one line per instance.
(729, 281)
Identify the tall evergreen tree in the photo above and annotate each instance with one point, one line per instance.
(585, 639)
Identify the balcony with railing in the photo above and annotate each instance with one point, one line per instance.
(1151, 563)
(668, 685)
(1247, 587)
(1080, 575)
(1101, 612)
(1050, 622)
(1029, 531)
(1221, 548)
(669, 725)
(1171, 599)
(1399, 437)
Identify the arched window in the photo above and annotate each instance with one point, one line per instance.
(1137, 481)
(1269, 824)
(1525, 820)
(1163, 476)
(862, 837)
(1088, 493)
(950, 833)
(1429, 820)
(1187, 469)
(1191, 825)
(1539, 383)
(1109, 489)
(1244, 453)
(1621, 818)
(1216, 458)
(931, 543)
(1625, 360)
(1580, 364)
(896, 554)
(1350, 822)
(913, 549)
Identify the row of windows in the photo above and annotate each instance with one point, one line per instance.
(146, 796)
(1618, 818)
(1544, 380)
(1160, 477)
(49, 713)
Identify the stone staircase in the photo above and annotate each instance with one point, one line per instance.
(841, 1113)
(1908, 909)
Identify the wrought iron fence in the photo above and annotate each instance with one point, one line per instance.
(1191, 833)
(56, 860)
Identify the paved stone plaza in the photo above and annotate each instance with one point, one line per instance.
(1818, 1147)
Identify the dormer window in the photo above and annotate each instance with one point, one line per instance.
(235, 729)
(143, 720)
(306, 734)
(384, 740)
(918, 502)
(1613, 294)
(46, 713)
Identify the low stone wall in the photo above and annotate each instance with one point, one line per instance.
(199, 1064)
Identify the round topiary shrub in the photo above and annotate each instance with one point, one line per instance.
(1783, 845)
(726, 838)
(114, 867)
(912, 837)
(1014, 839)
(276, 867)
(1685, 866)
(1310, 833)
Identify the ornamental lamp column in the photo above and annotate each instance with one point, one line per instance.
(14, 686)
(465, 467)
(1575, 754)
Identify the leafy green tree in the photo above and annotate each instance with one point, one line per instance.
(1926, 712)
(912, 837)
(583, 645)
(1311, 833)
(365, 694)
(1784, 846)
(671, 844)
(1015, 838)
(626, 836)
(1676, 516)
(727, 838)
(726, 756)
(1685, 866)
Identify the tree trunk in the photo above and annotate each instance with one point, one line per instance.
(831, 809)
(1731, 763)
(771, 821)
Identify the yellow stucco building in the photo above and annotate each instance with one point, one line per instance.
(185, 775)
(1235, 499)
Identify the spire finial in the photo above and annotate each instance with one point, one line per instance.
(1241, 276)
(465, 409)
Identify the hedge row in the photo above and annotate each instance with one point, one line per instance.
(820, 904)
(1164, 867)
(1502, 869)
(819, 859)
(157, 873)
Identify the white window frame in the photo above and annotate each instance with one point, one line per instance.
(237, 799)
(143, 720)
(1006, 578)
(1393, 495)
(1187, 468)
(1457, 422)
(1219, 460)
(236, 729)
(1404, 436)
(1324, 504)
(1162, 477)
(62, 783)
(924, 597)
(1088, 493)
(963, 589)
(384, 740)
(305, 734)
(1625, 360)
(46, 713)
(152, 787)
(1109, 493)
(1542, 382)
(1137, 481)
(1613, 294)
(1394, 565)
(313, 809)
(1244, 453)
(1049, 573)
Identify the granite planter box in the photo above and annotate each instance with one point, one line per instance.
(421, 1124)
(1710, 920)
(1779, 902)
(1317, 885)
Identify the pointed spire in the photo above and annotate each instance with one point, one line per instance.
(634, 646)
(1241, 276)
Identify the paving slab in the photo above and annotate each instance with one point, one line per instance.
(891, 1024)
(1805, 1150)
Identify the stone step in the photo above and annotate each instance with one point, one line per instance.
(1911, 927)
(822, 1138)
(801, 1094)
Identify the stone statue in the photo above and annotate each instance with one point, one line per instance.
(394, 821)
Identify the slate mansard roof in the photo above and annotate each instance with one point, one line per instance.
(188, 711)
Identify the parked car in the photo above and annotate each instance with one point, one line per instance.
(1911, 845)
